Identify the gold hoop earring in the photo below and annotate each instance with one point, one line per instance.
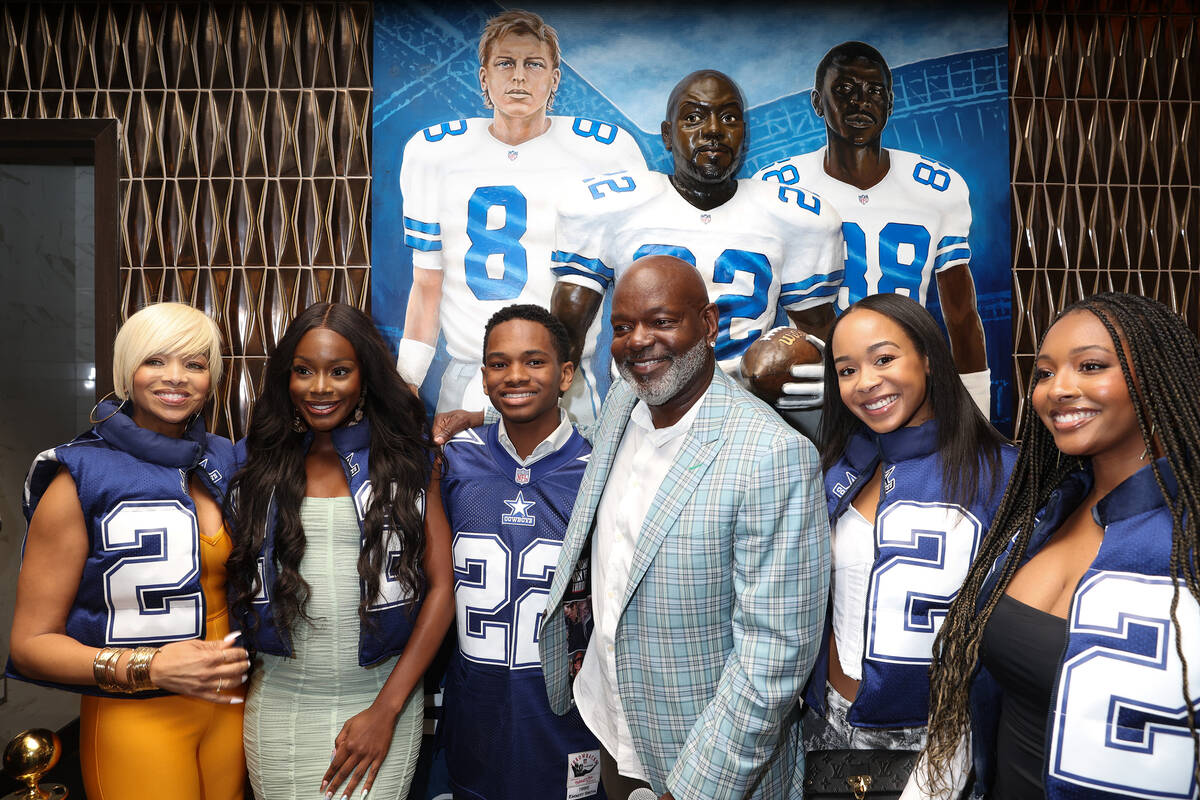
(92, 414)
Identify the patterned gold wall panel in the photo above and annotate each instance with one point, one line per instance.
(1105, 158)
(245, 145)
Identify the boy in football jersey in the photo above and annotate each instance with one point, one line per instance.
(508, 490)
(759, 248)
(479, 200)
(905, 217)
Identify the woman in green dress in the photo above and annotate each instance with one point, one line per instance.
(341, 572)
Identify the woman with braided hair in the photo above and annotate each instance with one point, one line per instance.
(1064, 662)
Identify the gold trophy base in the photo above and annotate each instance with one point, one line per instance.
(47, 791)
(27, 757)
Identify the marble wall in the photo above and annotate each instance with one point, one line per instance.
(47, 302)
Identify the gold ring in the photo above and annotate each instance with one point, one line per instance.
(220, 683)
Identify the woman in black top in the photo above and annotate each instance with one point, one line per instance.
(1084, 601)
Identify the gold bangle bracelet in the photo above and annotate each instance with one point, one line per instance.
(98, 662)
(110, 673)
(104, 669)
(137, 672)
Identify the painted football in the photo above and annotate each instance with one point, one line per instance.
(766, 364)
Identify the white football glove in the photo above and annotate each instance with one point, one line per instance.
(413, 360)
(979, 386)
(808, 390)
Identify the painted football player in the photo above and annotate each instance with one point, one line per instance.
(508, 490)
(759, 247)
(479, 210)
(905, 217)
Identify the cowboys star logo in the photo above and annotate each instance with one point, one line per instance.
(519, 508)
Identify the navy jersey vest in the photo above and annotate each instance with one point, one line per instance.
(502, 740)
(1117, 724)
(140, 584)
(392, 611)
(924, 544)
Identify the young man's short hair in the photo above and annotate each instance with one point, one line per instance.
(532, 313)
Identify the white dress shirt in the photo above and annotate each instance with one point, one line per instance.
(642, 461)
(549, 445)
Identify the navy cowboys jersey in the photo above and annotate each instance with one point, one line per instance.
(765, 248)
(502, 740)
(140, 584)
(900, 232)
(392, 611)
(1117, 725)
(924, 544)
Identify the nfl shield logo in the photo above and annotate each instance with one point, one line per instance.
(864, 199)
(706, 218)
(522, 475)
(512, 155)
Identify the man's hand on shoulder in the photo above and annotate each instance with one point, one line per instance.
(449, 423)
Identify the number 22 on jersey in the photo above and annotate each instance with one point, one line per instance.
(930, 547)
(494, 626)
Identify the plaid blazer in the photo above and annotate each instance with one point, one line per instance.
(725, 605)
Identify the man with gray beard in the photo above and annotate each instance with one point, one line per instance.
(700, 539)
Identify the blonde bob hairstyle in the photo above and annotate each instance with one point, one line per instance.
(165, 329)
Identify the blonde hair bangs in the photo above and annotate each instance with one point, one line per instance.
(166, 329)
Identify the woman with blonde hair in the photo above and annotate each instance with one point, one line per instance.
(121, 595)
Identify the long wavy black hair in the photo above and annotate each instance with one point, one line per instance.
(401, 458)
(1164, 358)
(967, 442)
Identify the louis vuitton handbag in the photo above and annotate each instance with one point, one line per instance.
(842, 774)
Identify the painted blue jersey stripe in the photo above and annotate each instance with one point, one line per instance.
(593, 265)
(416, 226)
(424, 245)
(812, 281)
(961, 254)
(786, 300)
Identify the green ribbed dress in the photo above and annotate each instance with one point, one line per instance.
(296, 706)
